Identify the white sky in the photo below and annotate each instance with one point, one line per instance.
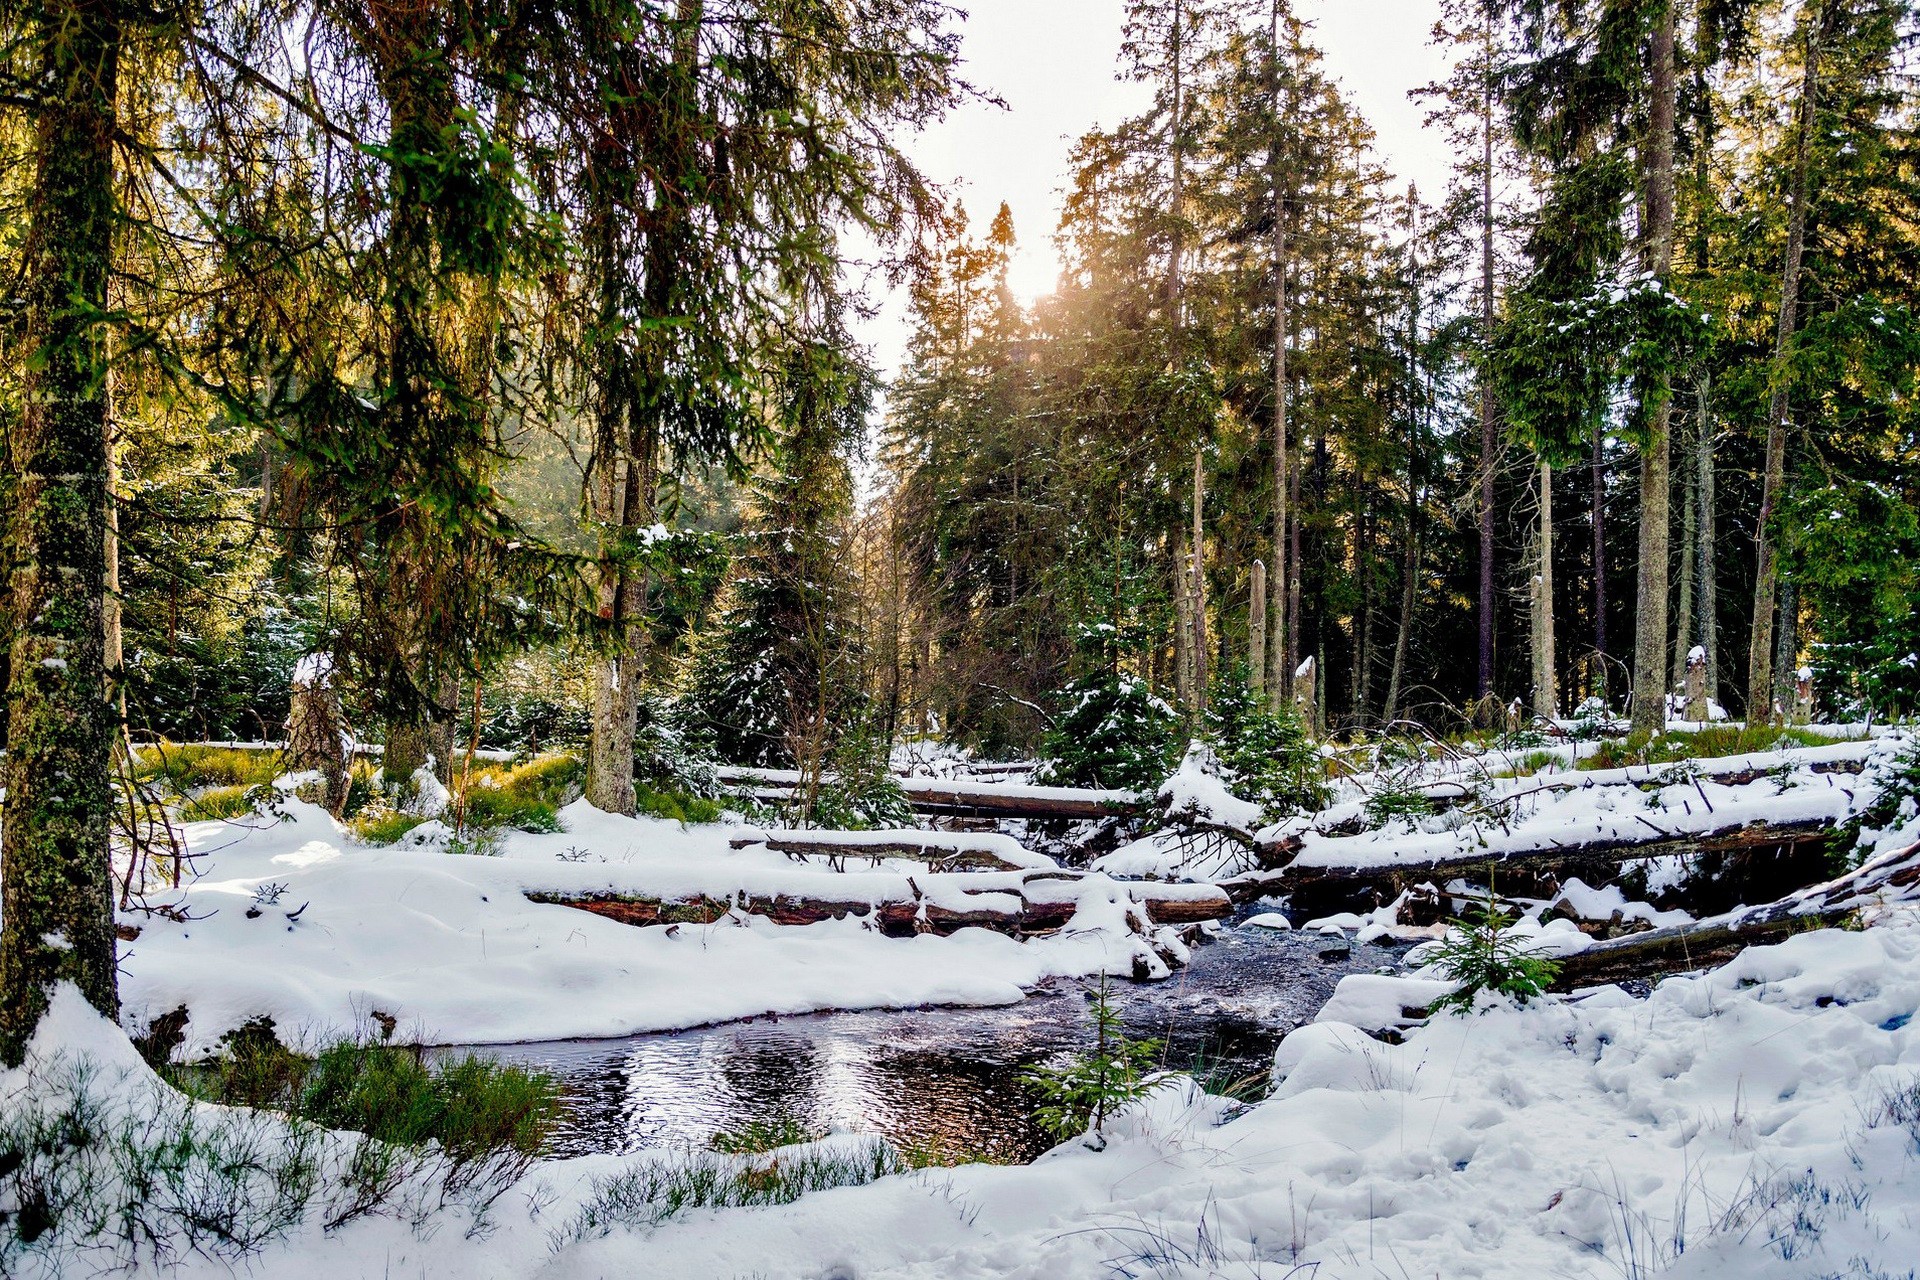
(1053, 63)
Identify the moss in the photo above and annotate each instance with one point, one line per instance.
(383, 826)
(675, 806)
(187, 769)
(221, 803)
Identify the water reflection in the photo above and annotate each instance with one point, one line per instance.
(947, 1078)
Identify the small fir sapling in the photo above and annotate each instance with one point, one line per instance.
(1481, 955)
(1112, 731)
(1263, 748)
(1080, 1095)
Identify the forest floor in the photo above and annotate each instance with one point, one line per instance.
(1759, 1120)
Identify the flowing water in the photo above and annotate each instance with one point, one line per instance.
(942, 1078)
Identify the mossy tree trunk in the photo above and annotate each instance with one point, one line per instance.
(58, 903)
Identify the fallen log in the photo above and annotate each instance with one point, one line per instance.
(941, 850)
(967, 799)
(1657, 842)
(1040, 903)
(1891, 878)
(999, 800)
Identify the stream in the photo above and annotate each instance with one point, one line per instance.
(945, 1078)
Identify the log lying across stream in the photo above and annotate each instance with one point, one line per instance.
(1656, 841)
(964, 799)
(1037, 902)
(940, 850)
(1890, 878)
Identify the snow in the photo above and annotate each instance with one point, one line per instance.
(1759, 1121)
(1744, 1123)
(1197, 796)
(314, 671)
(451, 946)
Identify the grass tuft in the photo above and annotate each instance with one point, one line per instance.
(659, 1190)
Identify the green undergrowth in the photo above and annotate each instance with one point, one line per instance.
(472, 1108)
(675, 806)
(382, 825)
(226, 803)
(658, 1190)
(757, 1137)
(102, 1172)
(185, 770)
(1700, 744)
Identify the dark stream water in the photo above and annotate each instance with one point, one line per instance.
(949, 1078)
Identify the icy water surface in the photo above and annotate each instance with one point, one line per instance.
(947, 1077)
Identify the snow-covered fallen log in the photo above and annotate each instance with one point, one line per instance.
(941, 850)
(1656, 840)
(968, 799)
(1037, 902)
(1888, 879)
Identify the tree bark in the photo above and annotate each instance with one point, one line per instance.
(1650, 610)
(1546, 694)
(1483, 679)
(1409, 574)
(1282, 322)
(1760, 647)
(1200, 650)
(1707, 629)
(1683, 605)
(55, 872)
(1257, 630)
(1598, 680)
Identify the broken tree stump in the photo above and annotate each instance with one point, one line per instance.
(316, 731)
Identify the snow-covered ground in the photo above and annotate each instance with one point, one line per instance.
(1759, 1121)
(450, 947)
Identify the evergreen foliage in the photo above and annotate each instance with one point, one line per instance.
(1080, 1095)
(1111, 732)
(1264, 750)
(1481, 954)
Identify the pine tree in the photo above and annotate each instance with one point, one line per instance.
(61, 726)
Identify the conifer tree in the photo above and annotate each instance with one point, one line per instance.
(65, 60)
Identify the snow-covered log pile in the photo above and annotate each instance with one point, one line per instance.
(296, 920)
(1031, 903)
(1776, 800)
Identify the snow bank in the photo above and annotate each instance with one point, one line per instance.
(296, 921)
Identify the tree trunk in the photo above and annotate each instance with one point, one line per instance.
(1683, 603)
(1546, 695)
(55, 872)
(1707, 628)
(1483, 678)
(1656, 408)
(1282, 322)
(1760, 650)
(1183, 627)
(1786, 648)
(315, 730)
(1257, 631)
(1408, 597)
(1291, 634)
(1199, 574)
(1597, 681)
